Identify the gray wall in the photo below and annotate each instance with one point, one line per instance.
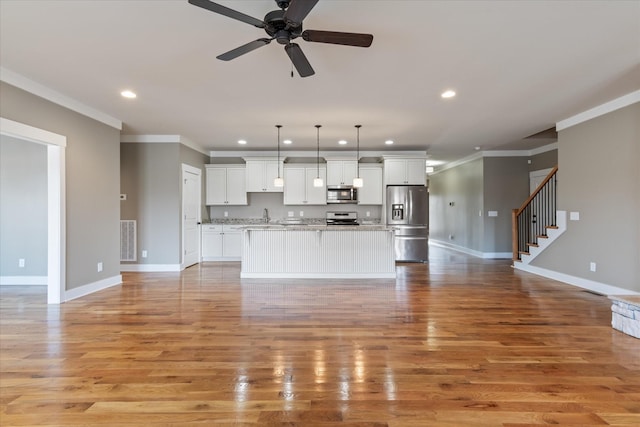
(506, 187)
(462, 186)
(23, 207)
(599, 177)
(475, 188)
(546, 160)
(150, 177)
(92, 183)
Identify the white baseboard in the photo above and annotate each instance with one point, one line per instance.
(318, 275)
(590, 285)
(92, 287)
(150, 268)
(23, 280)
(472, 252)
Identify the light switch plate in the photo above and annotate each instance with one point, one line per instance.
(574, 216)
(492, 213)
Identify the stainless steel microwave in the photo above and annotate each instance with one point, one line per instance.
(342, 194)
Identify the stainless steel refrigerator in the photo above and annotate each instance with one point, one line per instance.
(408, 213)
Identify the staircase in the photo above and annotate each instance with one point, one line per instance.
(537, 223)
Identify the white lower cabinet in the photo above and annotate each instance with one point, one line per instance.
(221, 242)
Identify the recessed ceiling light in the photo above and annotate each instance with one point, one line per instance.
(242, 142)
(448, 94)
(477, 148)
(287, 141)
(342, 142)
(388, 142)
(128, 94)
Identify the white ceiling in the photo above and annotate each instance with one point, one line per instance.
(518, 67)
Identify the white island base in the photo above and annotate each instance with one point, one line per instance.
(331, 252)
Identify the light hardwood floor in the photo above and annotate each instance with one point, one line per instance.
(458, 342)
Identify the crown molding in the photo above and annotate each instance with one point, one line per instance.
(312, 153)
(35, 88)
(600, 110)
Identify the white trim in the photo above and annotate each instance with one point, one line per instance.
(23, 280)
(318, 275)
(543, 149)
(150, 268)
(56, 201)
(472, 252)
(451, 165)
(21, 82)
(590, 285)
(220, 258)
(600, 110)
(188, 143)
(92, 287)
(30, 133)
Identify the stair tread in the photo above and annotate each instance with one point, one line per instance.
(542, 236)
(554, 227)
(524, 253)
(535, 245)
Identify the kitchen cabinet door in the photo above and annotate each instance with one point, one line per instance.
(341, 172)
(216, 181)
(316, 195)
(232, 246)
(236, 189)
(294, 186)
(255, 171)
(416, 172)
(271, 173)
(211, 241)
(371, 191)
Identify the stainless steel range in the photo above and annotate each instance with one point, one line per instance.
(342, 218)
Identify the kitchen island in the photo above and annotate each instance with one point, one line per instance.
(318, 251)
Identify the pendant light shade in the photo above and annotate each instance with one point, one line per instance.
(317, 181)
(278, 182)
(357, 181)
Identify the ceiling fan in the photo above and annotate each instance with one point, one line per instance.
(285, 25)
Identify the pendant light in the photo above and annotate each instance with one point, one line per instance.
(278, 182)
(317, 181)
(357, 181)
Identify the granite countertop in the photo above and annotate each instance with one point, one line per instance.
(318, 227)
(288, 223)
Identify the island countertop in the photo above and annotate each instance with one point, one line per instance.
(318, 251)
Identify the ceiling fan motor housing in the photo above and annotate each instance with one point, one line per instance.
(278, 28)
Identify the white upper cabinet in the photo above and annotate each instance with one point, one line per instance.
(371, 191)
(405, 172)
(299, 189)
(225, 185)
(260, 175)
(341, 172)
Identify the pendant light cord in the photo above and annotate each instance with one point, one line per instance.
(318, 152)
(358, 151)
(278, 126)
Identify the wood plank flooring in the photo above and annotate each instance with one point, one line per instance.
(458, 342)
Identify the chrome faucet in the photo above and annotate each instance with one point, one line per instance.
(265, 215)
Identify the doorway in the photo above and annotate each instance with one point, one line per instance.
(56, 219)
(191, 215)
(536, 177)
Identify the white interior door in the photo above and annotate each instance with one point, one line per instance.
(536, 177)
(191, 188)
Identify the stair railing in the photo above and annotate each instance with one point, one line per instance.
(538, 213)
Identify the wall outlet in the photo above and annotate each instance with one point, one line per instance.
(368, 214)
(144, 254)
(301, 214)
(592, 266)
(226, 214)
(479, 213)
(574, 216)
(21, 263)
(290, 214)
(450, 236)
(123, 197)
(99, 267)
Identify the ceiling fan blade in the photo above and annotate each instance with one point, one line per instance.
(223, 10)
(333, 37)
(245, 48)
(299, 60)
(298, 10)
